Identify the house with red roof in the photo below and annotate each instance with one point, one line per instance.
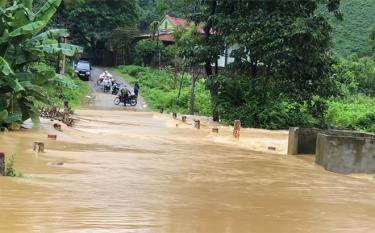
(170, 23)
(165, 34)
(166, 28)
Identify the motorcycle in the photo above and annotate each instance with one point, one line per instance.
(107, 85)
(132, 100)
(102, 77)
(100, 80)
(115, 88)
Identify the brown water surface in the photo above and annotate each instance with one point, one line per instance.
(138, 172)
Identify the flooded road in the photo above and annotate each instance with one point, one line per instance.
(138, 172)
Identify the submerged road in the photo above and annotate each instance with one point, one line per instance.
(128, 171)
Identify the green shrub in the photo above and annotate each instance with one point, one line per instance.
(65, 88)
(367, 123)
(132, 70)
(280, 114)
(355, 75)
(350, 113)
(9, 167)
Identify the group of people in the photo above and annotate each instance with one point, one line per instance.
(124, 91)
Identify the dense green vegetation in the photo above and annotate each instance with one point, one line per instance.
(354, 111)
(24, 53)
(283, 73)
(352, 34)
(61, 88)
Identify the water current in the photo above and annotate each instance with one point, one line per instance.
(121, 171)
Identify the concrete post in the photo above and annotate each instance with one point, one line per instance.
(293, 141)
(52, 136)
(215, 130)
(38, 146)
(237, 128)
(197, 124)
(2, 164)
(57, 126)
(183, 119)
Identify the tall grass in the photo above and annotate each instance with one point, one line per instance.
(353, 112)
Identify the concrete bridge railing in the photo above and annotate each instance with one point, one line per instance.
(346, 153)
(338, 151)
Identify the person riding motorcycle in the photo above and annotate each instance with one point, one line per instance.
(105, 74)
(125, 94)
(107, 83)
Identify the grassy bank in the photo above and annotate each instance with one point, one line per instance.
(160, 89)
(70, 88)
(356, 112)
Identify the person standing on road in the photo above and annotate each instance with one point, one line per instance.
(136, 88)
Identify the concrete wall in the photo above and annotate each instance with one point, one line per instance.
(347, 153)
(302, 140)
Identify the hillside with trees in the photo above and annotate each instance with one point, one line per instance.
(352, 34)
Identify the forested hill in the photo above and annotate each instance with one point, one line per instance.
(352, 35)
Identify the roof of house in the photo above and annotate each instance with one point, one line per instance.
(167, 35)
(176, 21)
(167, 38)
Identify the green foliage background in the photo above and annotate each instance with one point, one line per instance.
(352, 34)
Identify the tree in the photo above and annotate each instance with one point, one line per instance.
(155, 10)
(286, 42)
(212, 46)
(189, 50)
(147, 49)
(122, 39)
(91, 22)
(21, 46)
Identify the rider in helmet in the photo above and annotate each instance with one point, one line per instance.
(125, 93)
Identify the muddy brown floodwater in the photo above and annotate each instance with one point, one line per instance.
(138, 172)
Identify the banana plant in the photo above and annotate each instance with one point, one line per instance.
(23, 43)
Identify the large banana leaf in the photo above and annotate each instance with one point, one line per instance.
(13, 117)
(3, 115)
(22, 16)
(5, 37)
(30, 28)
(3, 3)
(50, 34)
(48, 10)
(14, 84)
(58, 48)
(4, 67)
